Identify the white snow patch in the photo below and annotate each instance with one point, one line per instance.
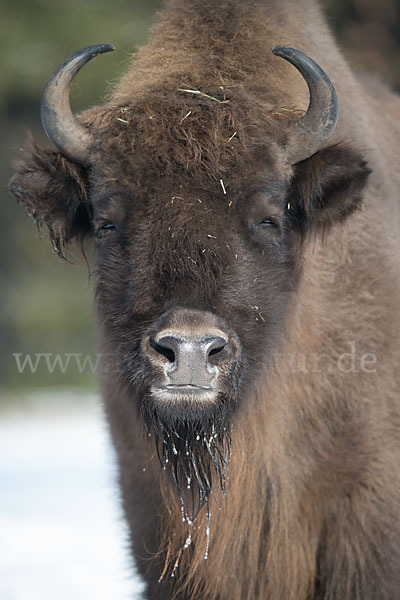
(62, 534)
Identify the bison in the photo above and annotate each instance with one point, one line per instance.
(244, 205)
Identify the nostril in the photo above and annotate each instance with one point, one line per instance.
(164, 350)
(217, 349)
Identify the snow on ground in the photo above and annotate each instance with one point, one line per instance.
(62, 534)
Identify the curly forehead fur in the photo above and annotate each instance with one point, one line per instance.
(171, 132)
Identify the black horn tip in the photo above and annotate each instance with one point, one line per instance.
(279, 50)
(303, 63)
(285, 52)
(84, 55)
(97, 49)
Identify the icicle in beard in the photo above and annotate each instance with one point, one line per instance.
(194, 448)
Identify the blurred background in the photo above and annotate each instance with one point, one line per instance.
(45, 306)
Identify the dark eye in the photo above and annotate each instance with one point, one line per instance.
(105, 228)
(268, 222)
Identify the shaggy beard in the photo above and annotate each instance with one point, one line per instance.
(194, 448)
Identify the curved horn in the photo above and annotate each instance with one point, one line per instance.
(318, 124)
(60, 125)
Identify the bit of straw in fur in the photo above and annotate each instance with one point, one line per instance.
(199, 93)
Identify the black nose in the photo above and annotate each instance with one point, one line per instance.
(189, 360)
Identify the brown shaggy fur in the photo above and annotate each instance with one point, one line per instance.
(312, 504)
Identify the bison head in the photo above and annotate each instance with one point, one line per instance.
(199, 204)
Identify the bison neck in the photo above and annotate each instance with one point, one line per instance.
(263, 527)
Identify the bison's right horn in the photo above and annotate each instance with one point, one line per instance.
(60, 125)
(318, 124)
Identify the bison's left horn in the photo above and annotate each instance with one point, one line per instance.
(60, 125)
(318, 124)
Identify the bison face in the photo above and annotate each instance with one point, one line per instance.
(199, 240)
(190, 286)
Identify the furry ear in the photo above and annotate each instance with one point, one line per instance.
(327, 188)
(53, 191)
